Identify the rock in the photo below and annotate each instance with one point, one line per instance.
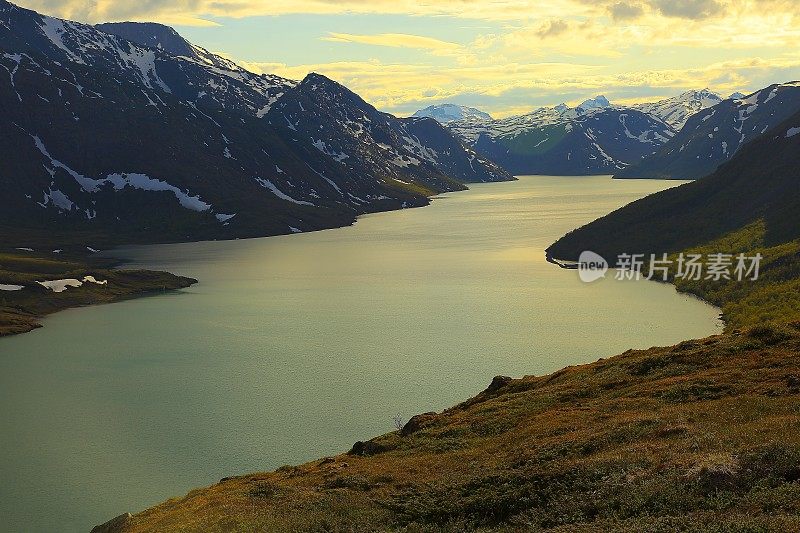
(498, 382)
(115, 525)
(417, 422)
(367, 448)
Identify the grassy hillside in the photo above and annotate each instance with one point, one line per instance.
(702, 436)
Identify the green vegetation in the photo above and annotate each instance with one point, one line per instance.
(20, 311)
(749, 205)
(536, 141)
(772, 299)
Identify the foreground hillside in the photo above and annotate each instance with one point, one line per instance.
(702, 436)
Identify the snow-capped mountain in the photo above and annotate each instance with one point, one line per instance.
(162, 37)
(676, 111)
(592, 138)
(446, 113)
(598, 102)
(736, 96)
(106, 136)
(714, 135)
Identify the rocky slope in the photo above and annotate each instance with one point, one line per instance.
(107, 140)
(713, 136)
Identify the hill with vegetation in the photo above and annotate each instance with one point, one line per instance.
(622, 444)
(749, 205)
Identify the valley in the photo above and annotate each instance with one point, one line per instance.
(230, 232)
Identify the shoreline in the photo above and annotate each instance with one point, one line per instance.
(20, 314)
(55, 283)
(390, 481)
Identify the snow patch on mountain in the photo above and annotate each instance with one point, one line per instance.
(119, 182)
(267, 184)
(446, 113)
(676, 111)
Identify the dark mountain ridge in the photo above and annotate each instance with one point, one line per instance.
(714, 135)
(760, 183)
(105, 140)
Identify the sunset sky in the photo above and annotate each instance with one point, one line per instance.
(505, 57)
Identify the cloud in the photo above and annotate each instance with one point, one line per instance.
(93, 11)
(688, 9)
(552, 28)
(622, 11)
(506, 88)
(395, 40)
(525, 52)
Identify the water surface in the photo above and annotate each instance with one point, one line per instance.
(294, 347)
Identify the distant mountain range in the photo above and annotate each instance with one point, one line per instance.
(446, 113)
(592, 138)
(683, 137)
(676, 111)
(715, 135)
(127, 132)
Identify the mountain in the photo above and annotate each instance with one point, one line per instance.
(598, 102)
(736, 96)
(713, 136)
(108, 140)
(750, 205)
(676, 111)
(162, 37)
(597, 139)
(760, 183)
(446, 113)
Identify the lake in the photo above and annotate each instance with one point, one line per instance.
(292, 348)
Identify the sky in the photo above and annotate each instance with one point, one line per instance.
(502, 56)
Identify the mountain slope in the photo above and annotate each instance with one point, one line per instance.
(762, 181)
(750, 205)
(564, 141)
(676, 111)
(713, 136)
(152, 35)
(445, 113)
(106, 140)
